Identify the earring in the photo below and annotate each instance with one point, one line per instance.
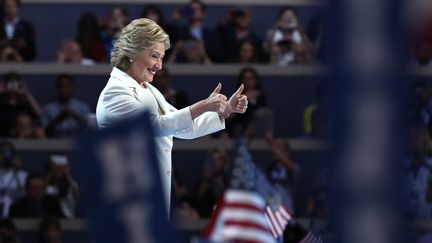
(130, 60)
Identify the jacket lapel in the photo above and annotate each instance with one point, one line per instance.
(159, 98)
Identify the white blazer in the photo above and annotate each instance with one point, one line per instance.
(124, 98)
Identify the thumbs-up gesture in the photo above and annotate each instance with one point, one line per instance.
(237, 103)
(216, 101)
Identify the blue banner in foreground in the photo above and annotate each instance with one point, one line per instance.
(122, 185)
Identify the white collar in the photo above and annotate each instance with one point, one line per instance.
(129, 81)
(125, 78)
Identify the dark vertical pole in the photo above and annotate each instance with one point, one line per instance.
(366, 84)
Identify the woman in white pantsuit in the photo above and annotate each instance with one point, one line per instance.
(136, 57)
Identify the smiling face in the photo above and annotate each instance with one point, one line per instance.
(145, 65)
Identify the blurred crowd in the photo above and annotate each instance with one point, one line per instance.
(49, 230)
(48, 195)
(288, 41)
(23, 117)
(24, 194)
(233, 40)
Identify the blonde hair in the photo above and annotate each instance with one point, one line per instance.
(139, 35)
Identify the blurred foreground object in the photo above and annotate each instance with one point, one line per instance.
(122, 185)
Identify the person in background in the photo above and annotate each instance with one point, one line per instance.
(153, 12)
(71, 52)
(61, 184)
(182, 202)
(240, 30)
(16, 98)
(246, 53)
(318, 201)
(50, 230)
(250, 78)
(189, 51)
(65, 115)
(162, 81)
(8, 54)
(26, 128)
(12, 177)
(317, 33)
(211, 184)
(206, 39)
(89, 38)
(112, 25)
(184, 211)
(316, 116)
(282, 170)
(35, 203)
(225, 24)
(286, 42)
(16, 31)
(302, 54)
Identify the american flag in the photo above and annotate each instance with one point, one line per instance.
(277, 214)
(240, 214)
(251, 209)
(311, 238)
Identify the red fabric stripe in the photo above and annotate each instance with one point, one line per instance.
(272, 226)
(283, 210)
(221, 205)
(241, 205)
(246, 224)
(279, 220)
(274, 221)
(215, 215)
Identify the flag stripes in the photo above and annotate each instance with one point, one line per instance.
(239, 217)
